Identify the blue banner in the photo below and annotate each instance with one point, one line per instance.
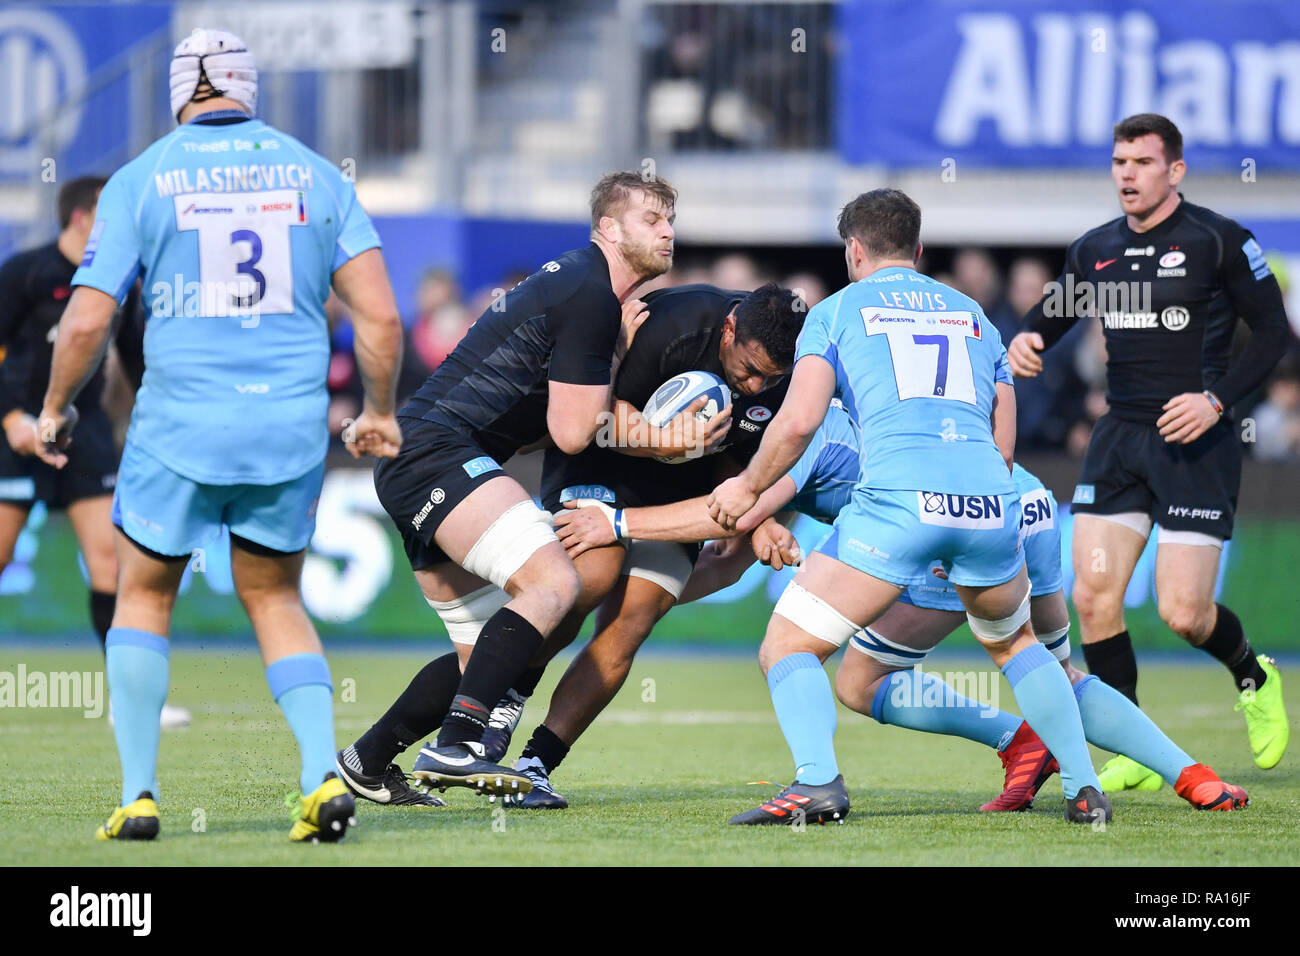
(68, 61)
(1041, 83)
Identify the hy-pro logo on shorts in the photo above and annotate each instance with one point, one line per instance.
(479, 466)
(1085, 494)
(977, 512)
(1175, 318)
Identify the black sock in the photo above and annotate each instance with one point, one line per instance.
(102, 605)
(547, 748)
(504, 647)
(526, 685)
(1227, 644)
(1112, 661)
(417, 713)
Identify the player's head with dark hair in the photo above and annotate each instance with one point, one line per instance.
(758, 337)
(885, 223)
(79, 194)
(1147, 166)
(1152, 124)
(632, 218)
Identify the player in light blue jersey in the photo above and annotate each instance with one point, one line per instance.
(239, 231)
(885, 679)
(917, 365)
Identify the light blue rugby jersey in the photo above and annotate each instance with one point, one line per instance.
(826, 472)
(915, 365)
(237, 229)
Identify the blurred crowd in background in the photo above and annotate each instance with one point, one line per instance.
(1056, 410)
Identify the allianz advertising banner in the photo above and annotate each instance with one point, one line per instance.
(1041, 82)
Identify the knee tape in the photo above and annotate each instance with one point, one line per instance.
(465, 616)
(994, 632)
(1058, 642)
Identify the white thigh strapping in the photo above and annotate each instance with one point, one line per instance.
(1198, 538)
(465, 616)
(810, 613)
(1133, 520)
(511, 540)
(660, 562)
(887, 652)
(993, 632)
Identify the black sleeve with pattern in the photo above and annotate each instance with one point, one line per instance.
(130, 336)
(1054, 315)
(1256, 299)
(585, 329)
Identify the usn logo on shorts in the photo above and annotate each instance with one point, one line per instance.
(975, 512)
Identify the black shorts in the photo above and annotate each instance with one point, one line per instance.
(1130, 467)
(91, 470)
(435, 471)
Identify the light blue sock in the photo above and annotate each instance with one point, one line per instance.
(1040, 687)
(301, 686)
(805, 708)
(1114, 723)
(919, 700)
(137, 666)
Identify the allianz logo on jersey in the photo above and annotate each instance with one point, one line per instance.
(977, 512)
(1175, 318)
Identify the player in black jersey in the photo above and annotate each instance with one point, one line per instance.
(537, 365)
(34, 288)
(1168, 280)
(748, 340)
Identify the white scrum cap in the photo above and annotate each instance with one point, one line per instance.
(224, 59)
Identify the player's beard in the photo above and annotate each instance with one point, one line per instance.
(645, 259)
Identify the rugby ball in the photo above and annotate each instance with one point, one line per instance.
(678, 394)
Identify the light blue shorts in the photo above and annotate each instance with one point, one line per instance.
(898, 535)
(173, 515)
(1040, 536)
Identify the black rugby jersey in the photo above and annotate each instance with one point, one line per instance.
(682, 333)
(560, 324)
(34, 290)
(1168, 300)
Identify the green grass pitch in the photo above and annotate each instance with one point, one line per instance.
(653, 782)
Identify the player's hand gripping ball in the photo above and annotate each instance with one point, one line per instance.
(678, 394)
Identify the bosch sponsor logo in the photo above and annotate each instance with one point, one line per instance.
(759, 413)
(1140, 251)
(1130, 320)
(1171, 259)
(1204, 514)
(1175, 318)
(276, 206)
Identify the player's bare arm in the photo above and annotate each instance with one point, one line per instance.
(812, 386)
(83, 336)
(362, 283)
(594, 526)
(1004, 421)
